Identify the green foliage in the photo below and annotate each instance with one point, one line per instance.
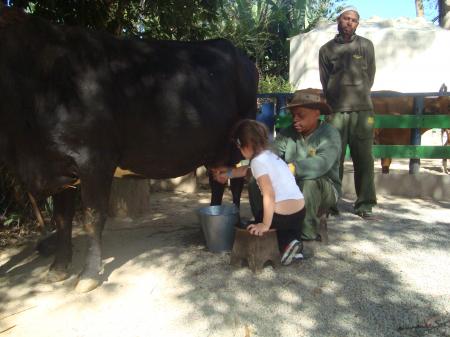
(158, 19)
(13, 219)
(262, 27)
(259, 27)
(15, 207)
(178, 19)
(272, 84)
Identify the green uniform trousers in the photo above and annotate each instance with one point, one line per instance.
(319, 195)
(356, 129)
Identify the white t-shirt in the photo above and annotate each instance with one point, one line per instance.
(283, 181)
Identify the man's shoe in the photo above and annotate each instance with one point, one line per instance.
(291, 251)
(334, 211)
(368, 215)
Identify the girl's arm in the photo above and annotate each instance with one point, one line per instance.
(222, 174)
(265, 185)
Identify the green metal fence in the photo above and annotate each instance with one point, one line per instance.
(411, 151)
(417, 121)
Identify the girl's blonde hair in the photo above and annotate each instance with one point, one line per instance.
(249, 132)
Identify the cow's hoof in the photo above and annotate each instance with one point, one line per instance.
(47, 246)
(55, 275)
(87, 284)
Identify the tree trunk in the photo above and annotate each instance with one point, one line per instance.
(129, 197)
(419, 8)
(444, 13)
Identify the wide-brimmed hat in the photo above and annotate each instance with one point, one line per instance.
(309, 100)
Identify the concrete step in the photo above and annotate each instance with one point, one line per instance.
(430, 183)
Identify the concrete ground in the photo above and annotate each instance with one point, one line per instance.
(384, 277)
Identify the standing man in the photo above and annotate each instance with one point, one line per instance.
(347, 71)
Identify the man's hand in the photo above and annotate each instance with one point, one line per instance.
(258, 229)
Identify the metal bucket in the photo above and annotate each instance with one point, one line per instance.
(218, 226)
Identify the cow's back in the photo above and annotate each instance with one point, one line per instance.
(158, 108)
(177, 103)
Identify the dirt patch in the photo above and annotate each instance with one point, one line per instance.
(387, 277)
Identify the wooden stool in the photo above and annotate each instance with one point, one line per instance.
(256, 250)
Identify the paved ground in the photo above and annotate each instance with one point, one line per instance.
(388, 277)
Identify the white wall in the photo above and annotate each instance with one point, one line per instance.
(412, 55)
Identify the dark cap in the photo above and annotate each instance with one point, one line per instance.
(309, 100)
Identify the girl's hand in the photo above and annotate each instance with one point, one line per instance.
(258, 229)
(241, 171)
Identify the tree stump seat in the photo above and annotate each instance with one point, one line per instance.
(256, 250)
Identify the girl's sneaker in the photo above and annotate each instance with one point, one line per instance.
(299, 256)
(291, 251)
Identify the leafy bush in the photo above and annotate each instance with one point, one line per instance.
(271, 84)
(15, 207)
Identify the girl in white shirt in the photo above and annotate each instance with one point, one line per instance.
(283, 202)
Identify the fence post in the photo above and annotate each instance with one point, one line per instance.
(281, 103)
(414, 163)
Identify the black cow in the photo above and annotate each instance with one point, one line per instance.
(76, 104)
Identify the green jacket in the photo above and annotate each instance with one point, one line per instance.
(315, 156)
(347, 72)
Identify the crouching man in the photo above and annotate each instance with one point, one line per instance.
(312, 148)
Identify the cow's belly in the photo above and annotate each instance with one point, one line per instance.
(155, 174)
(174, 157)
(159, 167)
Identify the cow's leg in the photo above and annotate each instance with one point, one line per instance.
(63, 212)
(95, 190)
(217, 190)
(236, 186)
(385, 163)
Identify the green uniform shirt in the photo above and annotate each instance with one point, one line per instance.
(317, 155)
(347, 72)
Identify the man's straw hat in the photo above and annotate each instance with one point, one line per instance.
(309, 100)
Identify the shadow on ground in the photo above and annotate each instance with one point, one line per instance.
(367, 282)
